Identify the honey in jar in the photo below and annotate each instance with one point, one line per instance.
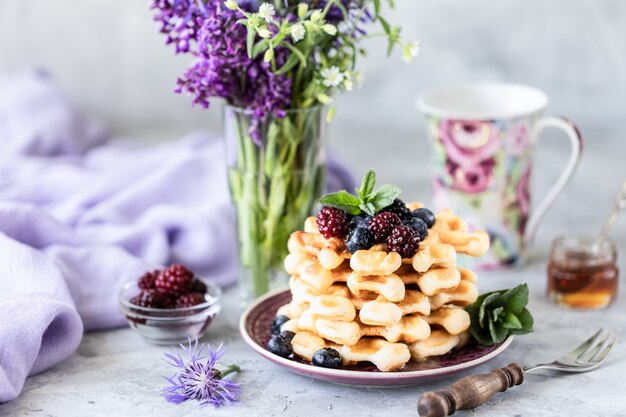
(583, 273)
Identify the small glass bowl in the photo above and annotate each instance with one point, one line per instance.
(173, 325)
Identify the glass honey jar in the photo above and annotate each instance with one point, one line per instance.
(583, 273)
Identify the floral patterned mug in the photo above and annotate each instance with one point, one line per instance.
(484, 136)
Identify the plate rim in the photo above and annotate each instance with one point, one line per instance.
(346, 373)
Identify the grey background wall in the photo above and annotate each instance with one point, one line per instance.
(108, 56)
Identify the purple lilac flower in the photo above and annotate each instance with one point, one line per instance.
(198, 380)
(223, 69)
(180, 20)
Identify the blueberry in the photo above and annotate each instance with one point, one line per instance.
(360, 238)
(327, 358)
(279, 346)
(287, 335)
(417, 225)
(360, 221)
(278, 321)
(426, 215)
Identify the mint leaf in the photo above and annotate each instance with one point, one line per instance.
(516, 298)
(511, 321)
(367, 185)
(385, 196)
(369, 208)
(526, 319)
(496, 315)
(342, 200)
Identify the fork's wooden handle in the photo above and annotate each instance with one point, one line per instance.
(469, 392)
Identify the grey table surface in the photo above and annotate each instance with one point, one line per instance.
(116, 373)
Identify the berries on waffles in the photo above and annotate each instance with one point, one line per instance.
(382, 225)
(332, 222)
(404, 241)
(399, 209)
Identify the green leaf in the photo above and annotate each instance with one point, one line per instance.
(385, 196)
(496, 313)
(250, 40)
(482, 312)
(511, 321)
(497, 333)
(367, 185)
(342, 200)
(526, 319)
(516, 298)
(297, 52)
(492, 317)
(369, 208)
(260, 47)
(377, 6)
(291, 62)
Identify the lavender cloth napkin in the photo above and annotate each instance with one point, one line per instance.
(76, 221)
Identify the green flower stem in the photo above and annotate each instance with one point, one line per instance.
(274, 187)
(231, 369)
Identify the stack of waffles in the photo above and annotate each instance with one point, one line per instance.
(376, 306)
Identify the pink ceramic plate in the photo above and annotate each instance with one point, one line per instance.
(255, 329)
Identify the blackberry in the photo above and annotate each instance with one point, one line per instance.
(382, 224)
(360, 221)
(418, 225)
(151, 299)
(198, 286)
(174, 280)
(189, 300)
(287, 335)
(404, 241)
(398, 208)
(426, 215)
(360, 238)
(277, 323)
(146, 282)
(333, 222)
(280, 346)
(327, 358)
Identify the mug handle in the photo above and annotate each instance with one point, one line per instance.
(576, 142)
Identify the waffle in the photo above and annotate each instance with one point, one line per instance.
(438, 343)
(385, 355)
(375, 306)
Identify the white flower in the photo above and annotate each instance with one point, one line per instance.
(264, 33)
(330, 29)
(231, 4)
(410, 51)
(297, 32)
(333, 77)
(332, 52)
(269, 55)
(343, 27)
(267, 12)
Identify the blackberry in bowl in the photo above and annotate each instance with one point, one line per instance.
(169, 309)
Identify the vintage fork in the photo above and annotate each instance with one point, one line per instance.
(471, 391)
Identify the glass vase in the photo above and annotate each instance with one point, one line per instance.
(276, 172)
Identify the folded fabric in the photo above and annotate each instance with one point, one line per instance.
(75, 225)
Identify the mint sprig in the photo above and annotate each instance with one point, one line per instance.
(498, 314)
(366, 199)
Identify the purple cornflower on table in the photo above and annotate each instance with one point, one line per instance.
(196, 379)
